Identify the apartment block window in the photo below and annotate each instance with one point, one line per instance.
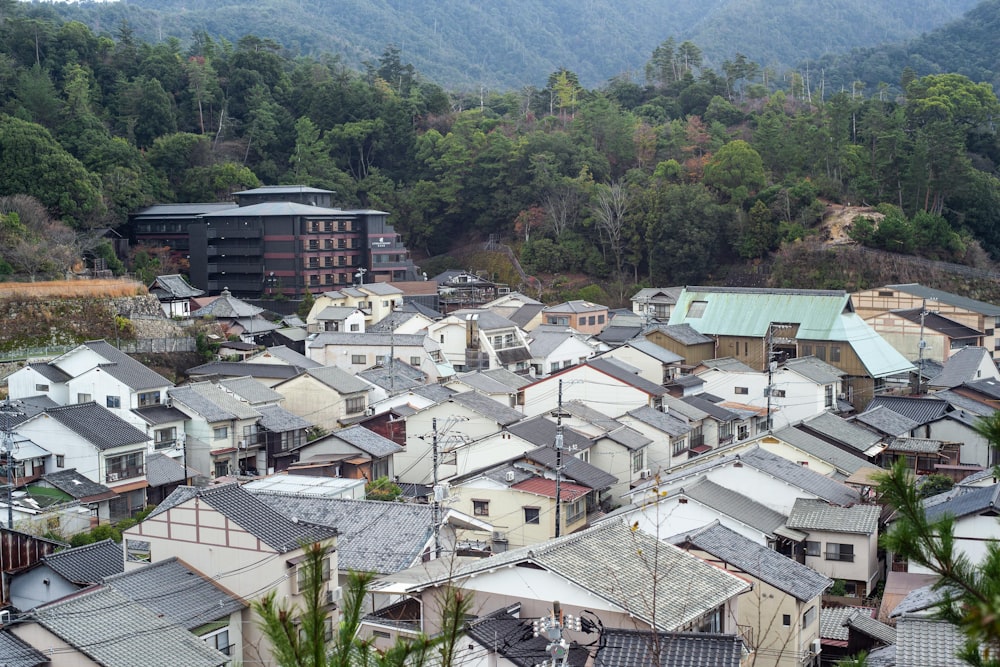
(481, 507)
(114, 401)
(84, 398)
(841, 552)
(165, 437)
(742, 390)
(220, 432)
(149, 398)
(725, 432)
(354, 405)
(359, 359)
(813, 548)
(531, 516)
(313, 244)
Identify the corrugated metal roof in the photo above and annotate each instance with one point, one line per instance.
(948, 298)
(920, 410)
(541, 486)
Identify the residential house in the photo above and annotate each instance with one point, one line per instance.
(622, 327)
(103, 627)
(808, 450)
(282, 433)
(93, 495)
(174, 294)
(849, 435)
(65, 572)
(585, 317)
(222, 432)
(947, 417)
(266, 373)
(99, 445)
(671, 436)
(235, 539)
(406, 319)
(684, 341)
(498, 383)
(353, 452)
(339, 318)
(842, 542)
(375, 300)
(617, 449)
(237, 317)
(236, 350)
(284, 356)
(655, 363)
(655, 303)
(753, 324)
(969, 364)
(916, 332)
(977, 315)
(325, 396)
(479, 339)
(627, 578)
(165, 426)
(354, 352)
(783, 608)
(390, 378)
(165, 474)
(555, 347)
(520, 309)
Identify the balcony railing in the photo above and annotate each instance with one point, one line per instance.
(125, 473)
(836, 555)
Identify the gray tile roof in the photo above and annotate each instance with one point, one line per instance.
(88, 564)
(920, 410)
(815, 369)
(97, 425)
(494, 381)
(250, 390)
(915, 445)
(573, 468)
(948, 298)
(684, 334)
(487, 319)
(113, 631)
(77, 485)
(835, 428)
(162, 470)
(541, 431)
(226, 307)
(543, 343)
(200, 404)
(988, 387)
(290, 357)
(392, 321)
(809, 514)
(631, 648)
(973, 501)
(922, 641)
(831, 622)
(347, 338)
(964, 403)
(628, 438)
(800, 476)
(159, 414)
(434, 392)
(661, 354)
(277, 419)
(882, 419)
(396, 376)
(843, 461)
(174, 286)
(245, 368)
(382, 289)
(607, 367)
(254, 516)
(728, 364)
(922, 599)
(617, 334)
(595, 560)
(372, 536)
(765, 564)
(50, 372)
(17, 653)
(736, 505)
(487, 407)
(867, 625)
(367, 441)
(336, 313)
(172, 590)
(662, 421)
(717, 412)
(513, 639)
(125, 368)
(961, 367)
(339, 380)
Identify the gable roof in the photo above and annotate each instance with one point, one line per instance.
(920, 410)
(728, 364)
(245, 368)
(572, 468)
(685, 334)
(809, 514)
(367, 441)
(493, 381)
(594, 559)
(734, 504)
(931, 294)
(608, 368)
(250, 390)
(212, 403)
(542, 342)
(541, 432)
(514, 639)
(886, 421)
(97, 425)
(254, 516)
(661, 421)
(975, 500)
(844, 462)
(50, 372)
(865, 624)
(830, 425)
(18, 653)
(814, 369)
(661, 354)
(961, 367)
(487, 407)
(112, 631)
(173, 590)
(928, 641)
(937, 322)
(126, 369)
(162, 470)
(289, 356)
(755, 559)
(75, 484)
(631, 648)
(227, 307)
(159, 414)
(395, 376)
(277, 419)
(173, 286)
(88, 564)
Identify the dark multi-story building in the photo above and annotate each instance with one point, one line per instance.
(278, 240)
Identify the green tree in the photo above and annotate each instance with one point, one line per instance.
(382, 488)
(736, 170)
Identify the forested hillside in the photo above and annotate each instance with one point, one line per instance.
(668, 182)
(507, 44)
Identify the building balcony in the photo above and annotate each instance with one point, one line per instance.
(240, 233)
(120, 474)
(240, 250)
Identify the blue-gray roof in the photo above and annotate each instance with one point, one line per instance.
(920, 410)
(973, 501)
(367, 441)
(513, 639)
(758, 561)
(50, 372)
(250, 390)
(948, 298)
(486, 406)
(97, 425)
(684, 334)
(815, 369)
(159, 414)
(75, 484)
(829, 425)
(277, 419)
(573, 468)
(177, 593)
(961, 367)
(18, 653)
(843, 461)
(810, 514)
(661, 354)
(736, 505)
(607, 367)
(884, 420)
(162, 470)
(632, 648)
(88, 564)
(125, 368)
(541, 432)
(662, 421)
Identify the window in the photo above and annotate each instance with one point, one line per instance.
(697, 308)
(221, 468)
(137, 551)
(164, 438)
(638, 460)
(725, 432)
(553, 367)
(83, 398)
(600, 319)
(60, 460)
(481, 507)
(531, 515)
(385, 304)
(841, 552)
(415, 361)
(41, 387)
(742, 432)
(592, 319)
(575, 510)
(584, 456)
(442, 338)
(809, 617)
(807, 350)
(355, 327)
(778, 393)
(821, 352)
(354, 405)
(786, 620)
(697, 436)
(251, 435)
(828, 398)
(125, 466)
(812, 548)
(359, 359)
(678, 445)
(742, 390)
(834, 353)
(221, 432)
(149, 398)
(114, 401)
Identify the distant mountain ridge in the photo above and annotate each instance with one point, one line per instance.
(508, 44)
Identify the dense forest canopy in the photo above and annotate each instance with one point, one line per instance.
(507, 44)
(661, 179)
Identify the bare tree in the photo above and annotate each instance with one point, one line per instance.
(562, 206)
(609, 207)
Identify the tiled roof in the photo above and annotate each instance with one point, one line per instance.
(162, 470)
(16, 653)
(488, 407)
(809, 514)
(657, 294)
(50, 372)
(541, 431)
(176, 592)
(573, 468)
(988, 387)
(736, 505)
(800, 476)
(277, 419)
(684, 334)
(542, 486)
(198, 403)
(289, 356)
(661, 354)
(159, 414)
(576, 306)
(884, 420)
(815, 369)
(513, 639)
(224, 401)
(336, 313)
(493, 381)
(924, 641)
(883, 656)
(113, 631)
(396, 376)
(372, 536)
(845, 462)
(617, 334)
(730, 364)
(864, 623)
(632, 648)
(628, 438)
(391, 322)
(254, 516)
(127, 369)
(961, 367)
(831, 622)
(88, 564)
(922, 599)
(662, 421)
(915, 445)
(97, 425)
(339, 380)
(543, 343)
(595, 560)
(920, 410)
(367, 441)
(711, 409)
(948, 298)
(347, 338)
(758, 561)
(226, 306)
(250, 390)
(434, 392)
(833, 427)
(973, 501)
(77, 485)
(608, 368)
(965, 404)
(244, 368)
(175, 286)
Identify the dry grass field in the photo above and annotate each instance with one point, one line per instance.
(72, 289)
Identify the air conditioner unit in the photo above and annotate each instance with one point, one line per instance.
(499, 536)
(817, 647)
(334, 595)
(842, 397)
(112, 477)
(510, 476)
(645, 473)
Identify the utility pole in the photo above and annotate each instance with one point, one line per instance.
(559, 448)
(435, 506)
(770, 372)
(921, 345)
(552, 627)
(7, 415)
